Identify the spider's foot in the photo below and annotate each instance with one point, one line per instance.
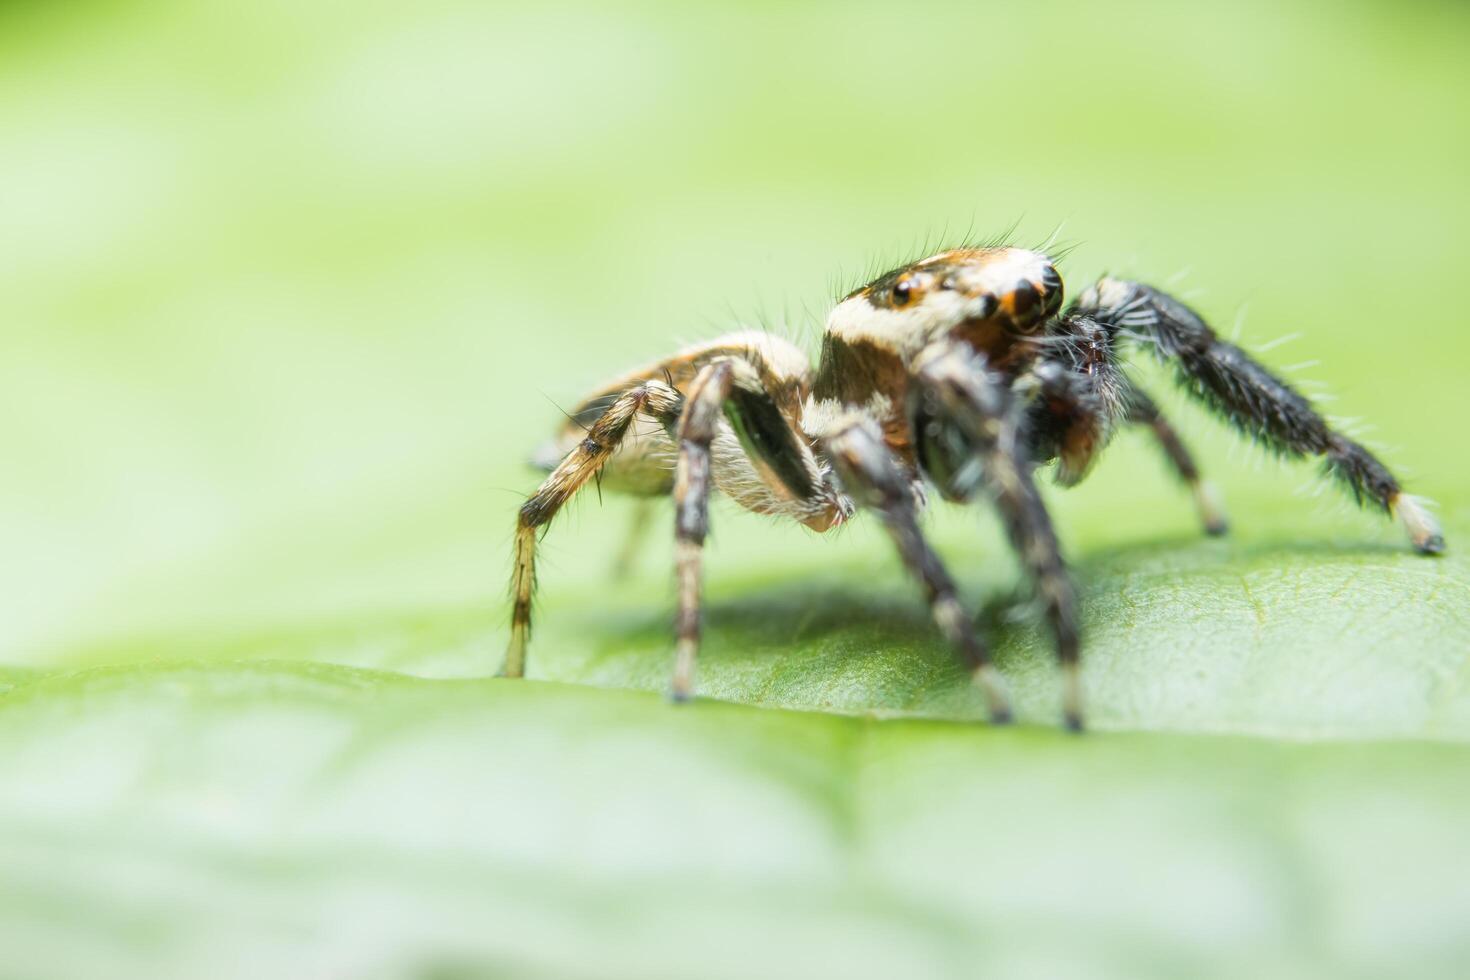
(1433, 545)
(996, 699)
(681, 688)
(515, 655)
(1071, 698)
(1211, 508)
(1420, 525)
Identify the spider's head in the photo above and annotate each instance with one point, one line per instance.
(1015, 289)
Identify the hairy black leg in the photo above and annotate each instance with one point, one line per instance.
(1230, 382)
(1143, 410)
(874, 479)
(653, 399)
(961, 413)
(696, 433)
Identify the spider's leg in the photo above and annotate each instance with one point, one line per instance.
(968, 425)
(731, 422)
(653, 399)
(696, 434)
(1143, 410)
(870, 473)
(1228, 380)
(633, 538)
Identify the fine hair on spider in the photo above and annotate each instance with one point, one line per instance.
(960, 373)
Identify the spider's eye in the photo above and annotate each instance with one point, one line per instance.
(903, 291)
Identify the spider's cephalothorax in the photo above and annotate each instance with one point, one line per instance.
(960, 371)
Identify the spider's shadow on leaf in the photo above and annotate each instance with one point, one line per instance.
(768, 618)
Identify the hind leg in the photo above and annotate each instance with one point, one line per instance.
(634, 537)
(652, 399)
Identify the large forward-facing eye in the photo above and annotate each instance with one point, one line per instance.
(1024, 304)
(910, 288)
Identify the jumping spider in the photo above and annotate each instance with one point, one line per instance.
(961, 372)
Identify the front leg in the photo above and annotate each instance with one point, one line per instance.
(1233, 384)
(968, 426)
(870, 473)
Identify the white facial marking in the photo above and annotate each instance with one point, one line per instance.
(977, 285)
(999, 275)
(857, 319)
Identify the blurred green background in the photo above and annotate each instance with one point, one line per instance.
(290, 291)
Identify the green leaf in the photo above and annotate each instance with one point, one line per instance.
(372, 822)
(265, 800)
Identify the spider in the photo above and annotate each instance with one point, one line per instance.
(960, 372)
